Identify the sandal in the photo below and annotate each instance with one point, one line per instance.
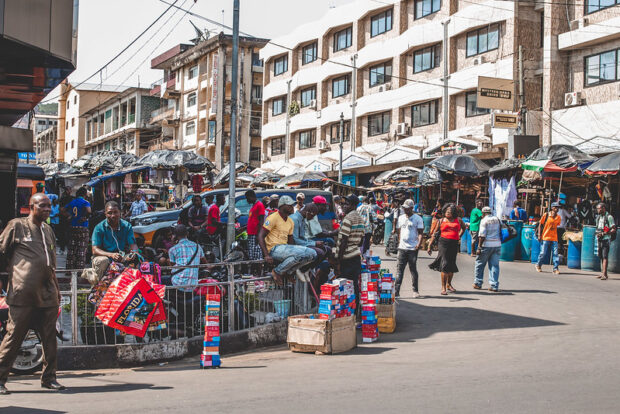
(604, 278)
(451, 289)
(444, 293)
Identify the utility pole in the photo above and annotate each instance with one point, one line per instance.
(287, 139)
(341, 142)
(230, 227)
(353, 100)
(523, 109)
(446, 76)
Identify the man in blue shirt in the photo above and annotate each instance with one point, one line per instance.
(113, 237)
(138, 206)
(78, 212)
(300, 219)
(517, 213)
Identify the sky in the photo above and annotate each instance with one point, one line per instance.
(107, 26)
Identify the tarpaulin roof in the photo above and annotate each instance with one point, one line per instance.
(460, 164)
(223, 175)
(301, 177)
(429, 176)
(31, 171)
(56, 168)
(172, 159)
(101, 178)
(397, 174)
(111, 160)
(266, 177)
(546, 165)
(506, 165)
(563, 156)
(608, 165)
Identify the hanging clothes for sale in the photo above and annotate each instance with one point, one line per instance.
(502, 195)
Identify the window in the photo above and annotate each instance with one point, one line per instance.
(426, 7)
(277, 146)
(67, 125)
(470, 105)
(280, 65)
(307, 139)
(68, 102)
(278, 105)
(380, 74)
(192, 72)
(107, 126)
(308, 95)
(256, 60)
(603, 67)
(342, 39)
(381, 23)
(483, 40)
(41, 122)
(335, 132)
(593, 6)
(75, 100)
(190, 128)
(340, 86)
(72, 122)
(309, 53)
(67, 146)
(191, 99)
(426, 59)
(72, 144)
(257, 91)
(379, 124)
(424, 114)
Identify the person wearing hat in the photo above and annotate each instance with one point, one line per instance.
(489, 250)
(301, 197)
(547, 233)
(276, 241)
(410, 228)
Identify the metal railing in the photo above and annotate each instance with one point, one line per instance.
(246, 302)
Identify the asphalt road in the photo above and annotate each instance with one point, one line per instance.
(545, 343)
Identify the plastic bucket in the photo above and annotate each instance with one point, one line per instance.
(527, 234)
(573, 260)
(588, 260)
(283, 307)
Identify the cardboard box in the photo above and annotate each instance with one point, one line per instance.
(386, 318)
(319, 335)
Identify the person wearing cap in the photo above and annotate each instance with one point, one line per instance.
(410, 228)
(272, 205)
(276, 241)
(489, 250)
(547, 233)
(301, 197)
(314, 230)
(350, 238)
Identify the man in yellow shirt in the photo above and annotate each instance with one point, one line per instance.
(276, 241)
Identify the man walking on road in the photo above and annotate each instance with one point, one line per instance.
(474, 225)
(489, 250)
(33, 296)
(548, 233)
(605, 228)
(409, 228)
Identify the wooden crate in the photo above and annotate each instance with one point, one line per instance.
(386, 318)
(320, 335)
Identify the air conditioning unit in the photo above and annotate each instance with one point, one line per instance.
(579, 23)
(312, 104)
(572, 98)
(323, 145)
(257, 101)
(402, 129)
(479, 60)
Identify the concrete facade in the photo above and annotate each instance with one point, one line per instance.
(45, 145)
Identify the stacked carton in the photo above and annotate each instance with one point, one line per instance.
(337, 299)
(210, 357)
(386, 288)
(369, 288)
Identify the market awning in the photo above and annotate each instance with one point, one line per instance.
(101, 178)
(608, 165)
(545, 165)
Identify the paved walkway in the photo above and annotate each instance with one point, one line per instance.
(544, 344)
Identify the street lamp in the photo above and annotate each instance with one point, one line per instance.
(341, 141)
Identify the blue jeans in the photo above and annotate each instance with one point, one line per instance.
(291, 257)
(554, 252)
(488, 255)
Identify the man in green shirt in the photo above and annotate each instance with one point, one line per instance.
(474, 225)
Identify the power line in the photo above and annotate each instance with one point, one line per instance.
(118, 54)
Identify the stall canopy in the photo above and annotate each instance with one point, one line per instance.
(429, 176)
(111, 160)
(558, 158)
(301, 178)
(223, 175)
(608, 165)
(460, 164)
(101, 178)
(506, 165)
(266, 177)
(57, 168)
(397, 175)
(30, 171)
(173, 159)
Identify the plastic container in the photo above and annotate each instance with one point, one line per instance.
(428, 221)
(536, 252)
(527, 234)
(614, 257)
(588, 260)
(466, 239)
(282, 307)
(573, 260)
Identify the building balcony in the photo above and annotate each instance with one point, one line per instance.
(161, 114)
(255, 154)
(255, 127)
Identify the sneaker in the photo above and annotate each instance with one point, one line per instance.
(475, 286)
(416, 295)
(492, 289)
(538, 269)
(556, 271)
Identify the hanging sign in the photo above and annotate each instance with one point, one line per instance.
(495, 93)
(510, 121)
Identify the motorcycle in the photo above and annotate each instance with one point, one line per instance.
(30, 356)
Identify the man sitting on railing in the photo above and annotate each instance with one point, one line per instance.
(276, 241)
(184, 253)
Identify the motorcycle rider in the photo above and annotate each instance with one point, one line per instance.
(33, 294)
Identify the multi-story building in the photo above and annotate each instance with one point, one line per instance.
(122, 122)
(385, 61)
(45, 145)
(581, 71)
(197, 84)
(74, 101)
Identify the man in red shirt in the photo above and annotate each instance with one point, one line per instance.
(213, 217)
(256, 218)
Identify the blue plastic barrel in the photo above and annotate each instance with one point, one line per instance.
(573, 260)
(614, 257)
(464, 241)
(468, 241)
(527, 234)
(536, 251)
(507, 253)
(588, 260)
(428, 221)
(518, 225)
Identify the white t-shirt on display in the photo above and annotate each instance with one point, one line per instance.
(409, 229)
(490, 227)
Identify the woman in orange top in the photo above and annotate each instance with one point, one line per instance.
(450, 230)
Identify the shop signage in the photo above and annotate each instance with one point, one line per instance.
(212, 131)
(214, 84)
(510, 121)
(495, 93)
(26, 156)
(451, 147)
(349, 180)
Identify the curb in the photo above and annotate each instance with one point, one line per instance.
(131, 355)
